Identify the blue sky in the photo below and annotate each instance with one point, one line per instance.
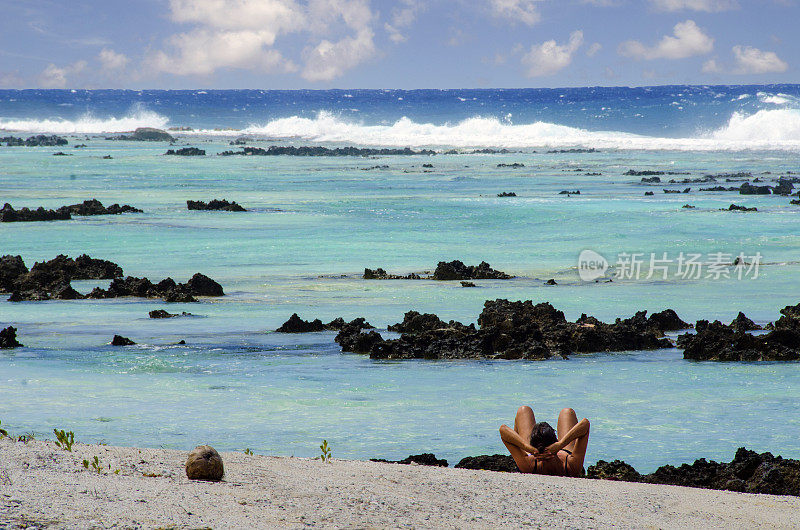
(287, 44)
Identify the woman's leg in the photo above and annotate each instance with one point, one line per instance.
(524, 422)
(523, 425)
(567, 419)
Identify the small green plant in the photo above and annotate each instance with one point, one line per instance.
(64, 440)
(326, 452)
(94, 463)
(248, 451)
(25, 438)
(3, 432)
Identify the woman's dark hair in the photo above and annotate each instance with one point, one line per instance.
(543, 435)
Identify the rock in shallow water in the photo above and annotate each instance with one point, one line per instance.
(8, 338)
(511, 330)
(714, 341)
(119, 340)
(204, 463)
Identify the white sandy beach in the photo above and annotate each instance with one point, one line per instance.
(43, 486)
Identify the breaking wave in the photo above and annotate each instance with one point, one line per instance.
(765, 129)
(769, 129)
(86, 124)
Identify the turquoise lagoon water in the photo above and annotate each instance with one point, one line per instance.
(314, 224)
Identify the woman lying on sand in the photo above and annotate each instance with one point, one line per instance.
(536, 449)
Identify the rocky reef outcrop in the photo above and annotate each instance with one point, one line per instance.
(186, 151)
(295, 324)
(748, 472)
(90, 207)
(715, 341)
(8, 338)
(511, 330)
(215, 204)
(40, 140)
(146, 134)
(51, 280)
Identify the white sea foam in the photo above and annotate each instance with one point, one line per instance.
(777, 99)
(86, 124)
(774, 128)
(766, 129)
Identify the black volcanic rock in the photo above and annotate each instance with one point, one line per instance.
(40, 140)
(742, 323)
(381, 274)
(95, 207)
(511, 330)
(456, 270)
(616, 470)
(202, 285)
(11, 268)
(119, 340)
(147, 134)
(215, 204)
(749, 189)
(714, 341)
(489, 462)
(91, 207)
(737, 208)
(186, 151)
(424, 459)
(748, 472)
(295, 324)
(161, 313)
(8, 338)
(507, 194)
(9, 215)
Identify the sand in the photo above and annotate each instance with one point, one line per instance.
(43, 486)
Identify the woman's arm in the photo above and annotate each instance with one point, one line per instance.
(512, 437)
(579, 430)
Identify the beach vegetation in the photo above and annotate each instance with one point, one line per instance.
(326, 452)
(94, 464)
(64, 440)
(248, 451)
(27, 437)
(3, 432)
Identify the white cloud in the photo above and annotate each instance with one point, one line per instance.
(402, 18)
(708, 6)
(524, 11)
(329, 60)
(688, 40)
(593, 49)
(11, 80)
(243, 33)
(751, 60)
(111, 60)
(549, 57)
(712, 67)
(58, 77)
